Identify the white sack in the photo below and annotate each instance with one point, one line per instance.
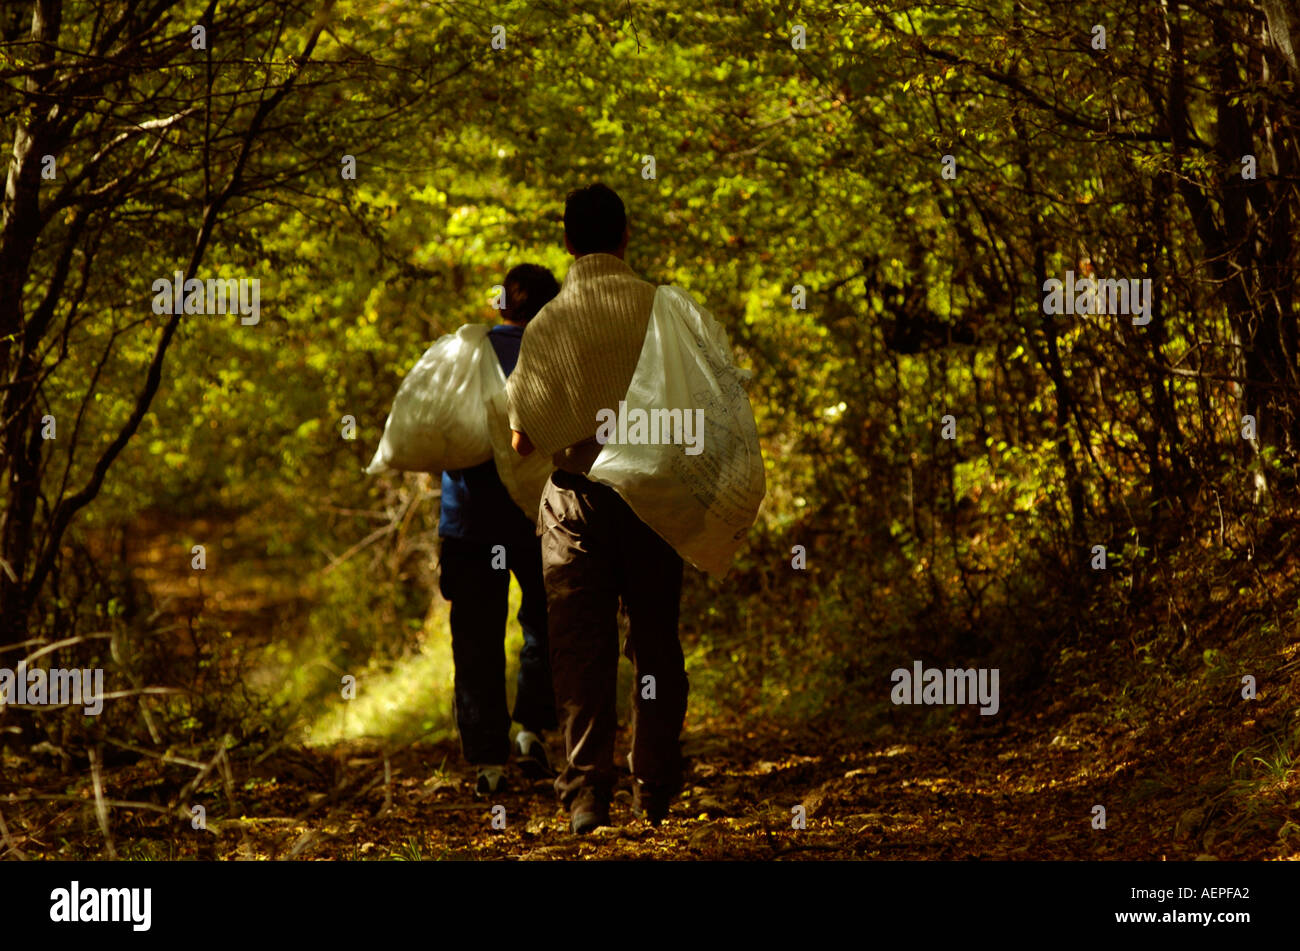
(704, 504)
(450, 413)
(438, 420)
(523, 476)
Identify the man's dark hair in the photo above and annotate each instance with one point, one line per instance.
(529, 287)
(594, 219)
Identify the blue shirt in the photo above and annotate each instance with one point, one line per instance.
(475, 504)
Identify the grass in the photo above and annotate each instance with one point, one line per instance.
(410, 698)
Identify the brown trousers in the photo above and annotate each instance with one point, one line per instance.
(594, 552)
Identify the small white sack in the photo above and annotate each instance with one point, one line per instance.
(438, 420)
(702, 504)
(523, 476)
(451, 413)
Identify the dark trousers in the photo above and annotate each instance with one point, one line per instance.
(479, 596)
(594, 552)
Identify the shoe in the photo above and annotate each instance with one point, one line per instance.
(533, 760)
(490, 780)
(651, 801)
(588, 812)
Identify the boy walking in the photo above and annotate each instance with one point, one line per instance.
(485, 537)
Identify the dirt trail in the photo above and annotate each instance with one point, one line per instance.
(1024, 787)
(1004, 798)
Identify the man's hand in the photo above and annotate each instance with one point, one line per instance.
(520, 442)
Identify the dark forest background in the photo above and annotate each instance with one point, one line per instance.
(761, 149)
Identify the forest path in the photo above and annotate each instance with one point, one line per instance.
(1022, 785)
(1011, 797)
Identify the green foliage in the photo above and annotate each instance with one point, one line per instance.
(775, 167)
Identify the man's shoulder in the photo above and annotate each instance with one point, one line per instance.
(545, 319)
(636, 280)
(570, 301)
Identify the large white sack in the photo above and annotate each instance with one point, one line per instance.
(704, 504)
(439, 418)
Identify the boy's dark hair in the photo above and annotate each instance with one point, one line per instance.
(529, 287)
(594, 219)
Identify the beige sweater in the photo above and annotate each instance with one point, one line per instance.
(578, 357)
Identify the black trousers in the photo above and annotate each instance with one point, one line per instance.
(479, 596)
(596, 552)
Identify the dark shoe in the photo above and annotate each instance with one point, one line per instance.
(533, 761)
(650, 801)
(589, 811)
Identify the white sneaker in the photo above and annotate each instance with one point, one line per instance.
(533, 759)
(490, 780)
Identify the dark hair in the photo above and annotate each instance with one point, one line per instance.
(529, 287)
(594, 219)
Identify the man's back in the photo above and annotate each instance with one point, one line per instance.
(579, 356)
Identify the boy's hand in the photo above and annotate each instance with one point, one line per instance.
(520, 442)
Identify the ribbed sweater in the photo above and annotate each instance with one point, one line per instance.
(579, 354)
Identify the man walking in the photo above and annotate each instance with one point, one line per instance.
(578, 358)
